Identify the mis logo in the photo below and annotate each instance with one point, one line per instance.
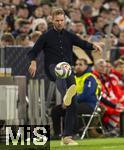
(27, 135)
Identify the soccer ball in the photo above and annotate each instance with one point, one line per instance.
(63, 70)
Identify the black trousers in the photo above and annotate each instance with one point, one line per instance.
(70, 112)
(58, 112)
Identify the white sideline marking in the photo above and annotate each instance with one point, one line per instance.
(110, 147)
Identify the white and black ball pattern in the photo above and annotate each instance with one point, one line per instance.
(63, 70)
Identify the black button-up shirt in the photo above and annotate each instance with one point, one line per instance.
(57, 46)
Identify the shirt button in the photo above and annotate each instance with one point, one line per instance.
(61, 47)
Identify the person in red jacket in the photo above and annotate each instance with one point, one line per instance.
(119, 71)
(109, 100)
(113, 83)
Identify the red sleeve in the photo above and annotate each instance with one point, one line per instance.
(115, 87)
(118, 74)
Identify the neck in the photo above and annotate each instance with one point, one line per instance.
(78, 74)
(57, 29)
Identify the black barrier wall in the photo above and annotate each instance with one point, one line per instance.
(16, 58)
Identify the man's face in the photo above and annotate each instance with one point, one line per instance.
(101, 67)
(59, 22)
(75, 15)
(108, 67)
(23, 13)
(100, 22)
(87, 14)
(25, 28)
(46, 9)
(38, 12)
(80, 67)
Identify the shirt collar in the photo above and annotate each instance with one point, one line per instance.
(59, 32)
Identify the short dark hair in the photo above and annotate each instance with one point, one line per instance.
(95, 19)
(87, 8)
(102, 9)
(82, 59)
(57, 11)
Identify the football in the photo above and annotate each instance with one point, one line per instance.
(63, 70)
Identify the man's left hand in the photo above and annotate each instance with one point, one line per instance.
(98, 46)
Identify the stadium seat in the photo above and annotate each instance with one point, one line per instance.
(97, 125)
(92, 121)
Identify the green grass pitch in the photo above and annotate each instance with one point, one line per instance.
(86, 144)
(92, 144)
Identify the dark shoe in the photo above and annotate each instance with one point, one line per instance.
(94, 134)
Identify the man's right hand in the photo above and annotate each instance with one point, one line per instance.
(33, 68)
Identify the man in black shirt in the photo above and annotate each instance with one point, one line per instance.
(57, 44)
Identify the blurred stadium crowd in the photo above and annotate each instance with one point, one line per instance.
(23, 21)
